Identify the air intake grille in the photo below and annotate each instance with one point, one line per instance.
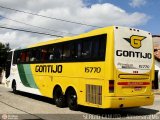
(94, 94)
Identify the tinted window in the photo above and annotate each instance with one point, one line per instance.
(33, 55)
(50, 53)
(67, 51)
(85, 49)
(58, 52)
(96, 48)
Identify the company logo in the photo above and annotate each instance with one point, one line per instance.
(135, 40)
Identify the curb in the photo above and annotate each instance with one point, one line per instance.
(2, 84)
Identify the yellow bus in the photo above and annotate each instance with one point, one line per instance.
(110, 67)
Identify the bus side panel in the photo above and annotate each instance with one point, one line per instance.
(72, 75)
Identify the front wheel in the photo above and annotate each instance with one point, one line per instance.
(72, 100)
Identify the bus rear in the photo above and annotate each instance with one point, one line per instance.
(134, 68)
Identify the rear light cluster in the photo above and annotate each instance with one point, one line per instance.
(111, 86)
(133, 83)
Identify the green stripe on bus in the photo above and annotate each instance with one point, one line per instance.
(26, 76)
(29, 76)
(22, 75)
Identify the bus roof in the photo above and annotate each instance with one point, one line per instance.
(87, 34)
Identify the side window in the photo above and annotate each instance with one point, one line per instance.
(32, 55)
(87, 49)
(77, 50)
(99, 46)
(95, 48)
(22, 56)
(27, 56)
(67, 51)
(73, 50)
(58, 52)
(102, 46)
(38, 54)
(51, 53)
(43, 54)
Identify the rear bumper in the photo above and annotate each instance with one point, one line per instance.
(124, 102)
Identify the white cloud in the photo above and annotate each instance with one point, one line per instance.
(20, 40)
(74, 10)
(137, 3)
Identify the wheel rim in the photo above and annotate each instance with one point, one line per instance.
(72, 100)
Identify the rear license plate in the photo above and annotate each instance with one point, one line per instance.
(138, 88)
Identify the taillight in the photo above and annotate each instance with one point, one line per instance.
(111, 86)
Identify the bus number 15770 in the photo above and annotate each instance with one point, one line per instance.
(92, 69)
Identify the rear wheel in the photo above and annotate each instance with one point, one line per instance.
(59, 98)
(72, 100)
(14, 87)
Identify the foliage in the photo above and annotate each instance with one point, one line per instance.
(4, 49)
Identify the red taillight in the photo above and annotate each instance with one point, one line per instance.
(111, 86)
(133, 83)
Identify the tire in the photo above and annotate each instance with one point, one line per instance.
(14, 87)
(72, 100)
(59, 98)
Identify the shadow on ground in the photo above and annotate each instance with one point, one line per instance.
(36, 97)
(109, 113)
(122, 112)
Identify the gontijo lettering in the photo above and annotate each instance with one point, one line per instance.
(49, 68)
(133, 54)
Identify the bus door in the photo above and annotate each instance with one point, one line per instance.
(133, 59)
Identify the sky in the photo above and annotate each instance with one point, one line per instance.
(141, 14)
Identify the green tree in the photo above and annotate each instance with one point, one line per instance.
(4, 49)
